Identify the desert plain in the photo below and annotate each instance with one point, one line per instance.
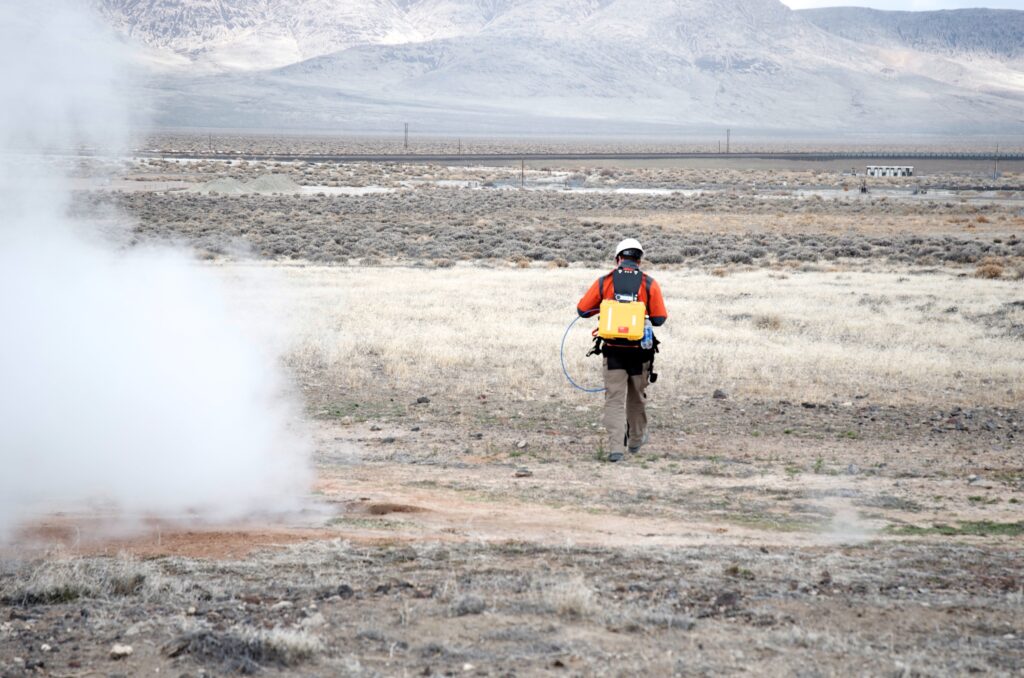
(833, 484)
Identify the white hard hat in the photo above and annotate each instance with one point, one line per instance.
(629, 244)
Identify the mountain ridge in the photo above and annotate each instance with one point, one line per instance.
(577, 64)
(197, 29)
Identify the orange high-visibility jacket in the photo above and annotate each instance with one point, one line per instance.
(590, 304)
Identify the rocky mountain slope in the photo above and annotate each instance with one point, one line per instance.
(989, 32)
(574, 65)
(256, 34)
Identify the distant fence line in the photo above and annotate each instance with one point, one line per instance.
(515, 157)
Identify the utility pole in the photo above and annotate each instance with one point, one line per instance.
(522, 173)
(995, 167)
(719, 147)
(728, 140)
(210, 141)
(460, 146)
(407, 136)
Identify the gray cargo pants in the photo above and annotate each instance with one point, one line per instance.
(625, 402)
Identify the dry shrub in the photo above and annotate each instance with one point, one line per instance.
(983, 220)
(572, 598)
(720, 272)
(245, 649)
(768, 322)
(443, 263)
(990, 270)
(558, 263)
(523, 262)
(58, 581)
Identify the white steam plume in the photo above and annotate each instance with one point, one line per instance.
(126, 378)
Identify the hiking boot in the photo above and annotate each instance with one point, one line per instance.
(615, 457)
(643, 441)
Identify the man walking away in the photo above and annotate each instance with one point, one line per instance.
(627, 365)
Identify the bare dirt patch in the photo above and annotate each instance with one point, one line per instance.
(86, 535)
(383, 509)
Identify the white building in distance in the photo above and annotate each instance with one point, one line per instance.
(890, 170)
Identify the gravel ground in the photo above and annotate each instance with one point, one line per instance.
(331, 608)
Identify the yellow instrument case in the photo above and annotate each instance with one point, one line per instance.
(622, 320)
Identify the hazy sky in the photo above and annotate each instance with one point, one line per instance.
(908, 4)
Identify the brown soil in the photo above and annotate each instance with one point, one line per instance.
(84, 535)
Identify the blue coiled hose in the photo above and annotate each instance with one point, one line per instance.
(565, 370)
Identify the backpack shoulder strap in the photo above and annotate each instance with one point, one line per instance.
(647, 283)
(600, 288)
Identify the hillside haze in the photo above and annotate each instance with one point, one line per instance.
(991, 32)
(582, 66)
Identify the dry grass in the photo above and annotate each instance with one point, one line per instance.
(287, 646)
(63, 580)
(721, 606)
(573, 597)
(245, 649)
(809, 336)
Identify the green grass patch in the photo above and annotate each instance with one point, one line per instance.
(359, 523)
(737, 572)
(979, 528)
(771, 522)
(1014, 478)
